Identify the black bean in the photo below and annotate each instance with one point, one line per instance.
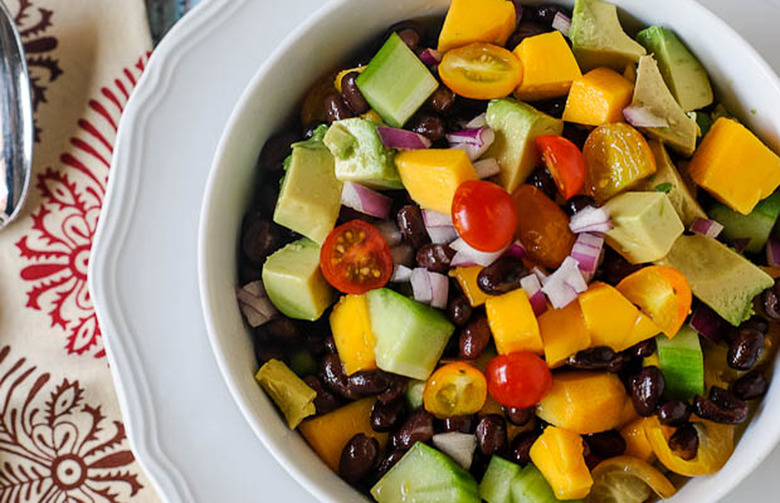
(745, 349)
(474, 337)
(721, 407)
(325, 401)
(386, 416)
(491, 434)
(674, 413)
(395, 389)
(576, 133)
(771, 300)
(368, 382)
(336, 109)
(418, 427)
(606, 444)
(542, 180)
(544, 13)
(750, 386)
(358, 458)
(330, 345)
(520, 451)
(266, 196)
(435, 257)
(388, 462)
(643, 349)
(266, 352)
(412, 226)
(578, 203)
(685, 442)
(403, 254)
(333, 376)
(411, 37)
(259, 237)
(646, 388)
(553, 107)
(430, 126)
(459, 309)
(352, 95)
(442, 100)
(460, 424)
(615, 268)
(283, 330)
(315, 344)
(275, 150)
(248, 273)
(309, 130)
(519, 416)
(502, 276)
(598, 358)
(756, 322)
(524, 30)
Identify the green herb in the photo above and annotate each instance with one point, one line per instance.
(664, 187)
(753, 111)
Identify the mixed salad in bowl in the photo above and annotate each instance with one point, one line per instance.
(515, 254)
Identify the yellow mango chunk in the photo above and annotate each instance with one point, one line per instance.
(467, 279)
(513, 323)
(584, 402)
(560, 456)
(735, 167)
(468, 21)
(598, 97)
(352, 334)
(328, 434)
(431, 176)
(612, 319)
(549, 67)
(564, 333)
(637, 444)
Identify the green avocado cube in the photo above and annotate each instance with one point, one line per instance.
(723, 279)
(755, 227)
(293, 396)
(598, 38)
(646, 226)
(294, 282)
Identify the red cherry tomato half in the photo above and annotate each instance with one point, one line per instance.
(519, 379)
(355, 258)
(484, 215)
(565, 163)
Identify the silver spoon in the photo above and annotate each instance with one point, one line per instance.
(16, 121)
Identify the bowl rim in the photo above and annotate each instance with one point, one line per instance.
(280, 453)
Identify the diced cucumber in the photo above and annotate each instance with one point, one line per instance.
(682, 363)
(531, 486)
(425, 475)
(414, 393)
(755, 227)
(496, 485)
(410, 337)
(396, 83)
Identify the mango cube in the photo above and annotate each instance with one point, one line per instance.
(735, 167)
(559, 455)
(564, 333)
(431, 176)
(468, 21)
(352, 334)
(598, 97)
(549, 67)
(513, 323)
(467, 279)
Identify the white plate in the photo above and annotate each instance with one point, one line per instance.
(184, 426)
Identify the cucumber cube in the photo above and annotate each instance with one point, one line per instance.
(755, 227)
(496, 485)
(682, 363)
(396, 83)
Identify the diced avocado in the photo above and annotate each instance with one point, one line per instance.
(646, 226)
(651, 92)
(679, 193)
(293, 396)
(754, 227)
(682, 362)
(414, 393)
(410, 337)
(294, 282)
(517, 125)
(723, 279)
(360, 155)
(425, 475)
(530, 485)
(685, 76)
(396, 83)
(496, 485)
(598, 38)
(310, 197)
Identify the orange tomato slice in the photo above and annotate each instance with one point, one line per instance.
(716, 443)
(455, 389)
(615, 474)
(662, 293)
(481, 71)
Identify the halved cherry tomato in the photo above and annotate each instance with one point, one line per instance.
(542, 227)
(355, 258)
(662, 293)
(455, 389)
(624, 478)
(481, 71)
(518, 379)
(484, 215)
(565, 163)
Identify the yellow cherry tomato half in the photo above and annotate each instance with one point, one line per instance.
(716, 443)
(662, 293)
(625, 478)
(481, 71)
(455, 389)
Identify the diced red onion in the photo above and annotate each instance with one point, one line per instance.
(474, 142)
(254, 303)
(590, 219)
(402, 254)
(442, 235)
(487, 168)
(439, 227)
(421, 285)
(538, 303)
(466, 255)
(741, 244)
(516, 250)
(706, 227)
(533, 289)
(435, 219)
(561, 294)
(587, 251)
(773, 252)
(708, 323)
(365, 200)
(643, 117)
(563, 286)
(440, 288)
(390, 231)
(402, 139)
(477, 122)
(431, 57)
(459, 446)
(401, 274)
(562, 23)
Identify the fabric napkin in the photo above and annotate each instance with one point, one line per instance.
(61, 433)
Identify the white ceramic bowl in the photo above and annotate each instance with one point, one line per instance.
(744, 82)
